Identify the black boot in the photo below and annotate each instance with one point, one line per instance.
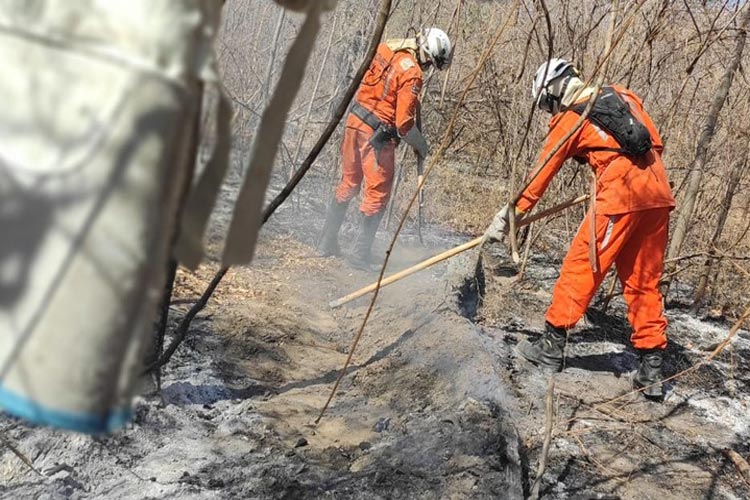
(360, 257)
(329, 241)
(649, 373)
(548, 351)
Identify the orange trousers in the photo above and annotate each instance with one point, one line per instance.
(359, 162)
(635, 243)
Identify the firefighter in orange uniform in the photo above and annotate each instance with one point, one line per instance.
(385, 110)
(632, 202)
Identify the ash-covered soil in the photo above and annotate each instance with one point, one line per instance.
(607, 441)
(435, 405)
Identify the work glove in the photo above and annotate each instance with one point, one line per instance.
(416, 140)
(500, 226)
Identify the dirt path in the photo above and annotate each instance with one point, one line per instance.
(420, 415)
(435, 406)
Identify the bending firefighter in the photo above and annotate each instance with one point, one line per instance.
(627, 223)
(385, 110)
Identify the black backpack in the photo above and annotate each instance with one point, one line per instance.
(612, 114)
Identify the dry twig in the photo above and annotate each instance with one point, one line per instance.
(549, 420)
(742, 466)
(708, 359)
(182, 328)
(445, 140)
(26, 460)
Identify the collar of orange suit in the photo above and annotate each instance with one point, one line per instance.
(403, 44)
(576, 91)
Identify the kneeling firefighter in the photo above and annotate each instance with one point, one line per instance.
(627, 223)
(385, 110)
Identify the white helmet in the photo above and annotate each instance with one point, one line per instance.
(436, 45)
(548, 86)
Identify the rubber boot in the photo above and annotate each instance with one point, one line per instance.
(547, 351)
(361, 258)
(649, 373)
(329, 241)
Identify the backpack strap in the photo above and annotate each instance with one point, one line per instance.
(617, 120)
(579, 107)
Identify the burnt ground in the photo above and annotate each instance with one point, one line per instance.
(436, 405)
(608, 442)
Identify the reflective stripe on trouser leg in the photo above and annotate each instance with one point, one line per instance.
(639, 267)
(351, 164)
(378, 172)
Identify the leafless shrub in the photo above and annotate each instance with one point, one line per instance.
(674, 55)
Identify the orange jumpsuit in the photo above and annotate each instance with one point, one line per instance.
(390, 89)
(633, 201)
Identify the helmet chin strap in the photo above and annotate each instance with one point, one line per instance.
(424, 59)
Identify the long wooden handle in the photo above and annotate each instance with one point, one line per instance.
(450, 253)
(406, 272)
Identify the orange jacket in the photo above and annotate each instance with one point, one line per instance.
(390, 89)
(624, 185)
